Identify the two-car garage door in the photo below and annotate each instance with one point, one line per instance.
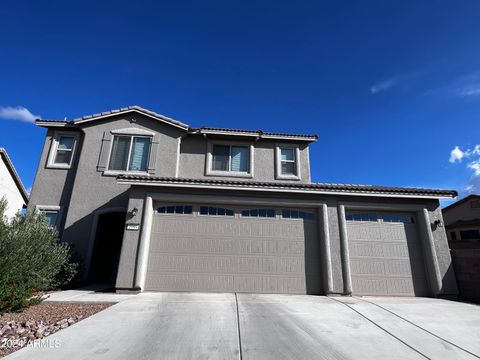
(233, 248)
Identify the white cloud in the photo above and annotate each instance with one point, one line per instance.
(383, 85)
(18, 113)
(473, 164)
(465, 87)
(456, 155)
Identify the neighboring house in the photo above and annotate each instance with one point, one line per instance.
(462, 222)
(154, 204)
(11, 187)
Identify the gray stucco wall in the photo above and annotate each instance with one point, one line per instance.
(93, 191)
(193, 159)
(83, 191)
(125, 277)
(53, 186)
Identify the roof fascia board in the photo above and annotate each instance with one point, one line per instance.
(299, 191)
(254, 135)
(53, 124)
(156, 117)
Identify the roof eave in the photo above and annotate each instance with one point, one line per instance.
(259, 135)
(136, 109)
(246, 187)
(54, 123)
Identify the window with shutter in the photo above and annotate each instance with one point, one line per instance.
(130, 153)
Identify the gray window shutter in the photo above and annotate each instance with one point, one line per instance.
(102, 161)
(153, 154)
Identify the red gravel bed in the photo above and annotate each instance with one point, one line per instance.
(40, 321)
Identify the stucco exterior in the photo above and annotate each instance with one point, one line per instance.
(87, 189)
(444, 285)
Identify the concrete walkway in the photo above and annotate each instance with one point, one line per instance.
(248, 326)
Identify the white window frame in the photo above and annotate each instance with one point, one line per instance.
(209, 163)
(51, 208)
(54, 147)
(132, 132)
(278, 162)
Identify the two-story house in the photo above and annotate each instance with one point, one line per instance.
(154, 204)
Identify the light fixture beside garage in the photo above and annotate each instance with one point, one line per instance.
(133, 212)
(437, 223)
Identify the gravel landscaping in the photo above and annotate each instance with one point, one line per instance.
(37, 322)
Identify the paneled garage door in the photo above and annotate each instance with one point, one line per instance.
(231, 248)
(386, 255)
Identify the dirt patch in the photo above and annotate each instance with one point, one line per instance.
(37, 322)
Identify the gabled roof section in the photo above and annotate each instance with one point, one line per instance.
(340, 189)
(462, 201)
(102, 115)
(254, 133)
(8, 163)
(258, 134)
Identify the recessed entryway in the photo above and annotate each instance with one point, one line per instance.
(108, 243)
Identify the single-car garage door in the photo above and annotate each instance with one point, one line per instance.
(386, 256)
(233, 248)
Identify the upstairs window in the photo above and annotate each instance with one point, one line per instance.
(288, 163)
(62, 151)
(130, 153)
(231, 158)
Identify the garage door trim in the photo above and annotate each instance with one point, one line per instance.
(148, 213)
(424, 232)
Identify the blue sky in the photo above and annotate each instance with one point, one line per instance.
(390, 87)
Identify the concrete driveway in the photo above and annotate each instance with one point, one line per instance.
(249, 326)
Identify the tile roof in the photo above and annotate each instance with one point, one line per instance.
(131, 108)
(255, 132)
(204, 129)
(314, 187)
(14, 174)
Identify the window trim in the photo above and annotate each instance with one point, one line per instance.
(132, 133)
(278, 162)
(209, 160)
(51, 208)
(54, 147)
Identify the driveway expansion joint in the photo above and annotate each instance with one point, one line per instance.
(382, 328)
(417, 326)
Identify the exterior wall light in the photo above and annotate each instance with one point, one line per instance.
(134, 211)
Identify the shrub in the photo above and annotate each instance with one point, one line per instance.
(31, 260)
